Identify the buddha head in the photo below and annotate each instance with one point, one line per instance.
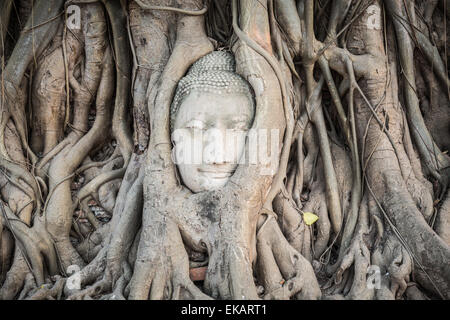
(211, 113)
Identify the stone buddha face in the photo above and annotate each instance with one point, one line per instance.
(211, 115)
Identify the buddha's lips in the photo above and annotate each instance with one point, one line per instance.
(216, 173)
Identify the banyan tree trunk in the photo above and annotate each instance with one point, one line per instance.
(92, 205)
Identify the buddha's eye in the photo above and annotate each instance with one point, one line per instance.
(196, 124)
(239, 126)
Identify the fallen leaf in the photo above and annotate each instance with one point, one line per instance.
(309, 218)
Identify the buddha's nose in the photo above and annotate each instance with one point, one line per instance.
(214, 148)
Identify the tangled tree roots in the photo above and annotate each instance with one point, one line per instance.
(91, 203)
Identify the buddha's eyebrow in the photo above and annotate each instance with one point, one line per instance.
(194, 121)
(239, 119)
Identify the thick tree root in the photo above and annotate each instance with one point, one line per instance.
(284, 272)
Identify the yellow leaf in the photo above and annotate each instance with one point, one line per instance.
(309, 218)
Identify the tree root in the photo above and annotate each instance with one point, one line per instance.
(284, 272)
(162, 268)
